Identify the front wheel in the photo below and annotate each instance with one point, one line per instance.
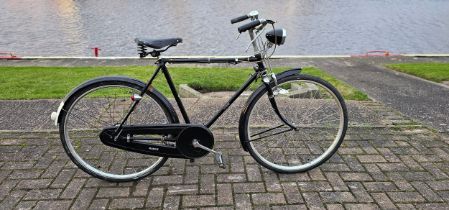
(103, 104)
(312, 106)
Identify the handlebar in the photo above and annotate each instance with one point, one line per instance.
(239, 19)
(256, 24)
(253, 15)
(250, 25)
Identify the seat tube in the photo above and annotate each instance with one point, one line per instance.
(159, 67)
(175, 94)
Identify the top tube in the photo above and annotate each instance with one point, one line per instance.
(231, 60)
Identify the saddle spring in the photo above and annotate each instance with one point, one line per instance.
(143, 52)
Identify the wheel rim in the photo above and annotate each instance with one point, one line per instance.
(93, 102)
(301, 149)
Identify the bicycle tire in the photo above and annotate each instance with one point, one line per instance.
(247, 121)
(81, 93)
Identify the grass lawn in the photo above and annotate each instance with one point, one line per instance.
(437, 72)
(56, 82)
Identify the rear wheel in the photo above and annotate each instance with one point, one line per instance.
(313, 106)
(104, 104)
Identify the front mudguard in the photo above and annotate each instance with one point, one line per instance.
(245, 114)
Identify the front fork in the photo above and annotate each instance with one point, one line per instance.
(271, 97)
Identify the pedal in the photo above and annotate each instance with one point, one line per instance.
(218, 155)
(219, 160)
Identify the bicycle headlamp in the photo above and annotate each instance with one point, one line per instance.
(276, 36)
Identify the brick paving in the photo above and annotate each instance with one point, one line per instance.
(399, 165)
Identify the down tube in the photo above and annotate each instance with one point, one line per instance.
(231, 100)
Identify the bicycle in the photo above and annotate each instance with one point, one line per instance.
(121, 129)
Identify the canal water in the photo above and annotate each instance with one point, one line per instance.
(319, 27)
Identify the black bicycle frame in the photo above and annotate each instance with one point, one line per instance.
(161, 66)
(161, 63)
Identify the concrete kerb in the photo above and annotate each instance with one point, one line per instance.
(415, 77)
(185, 91)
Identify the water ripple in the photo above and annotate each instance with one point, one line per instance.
(72, 27)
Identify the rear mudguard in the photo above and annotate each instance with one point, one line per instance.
(160, 98)
(244, 115)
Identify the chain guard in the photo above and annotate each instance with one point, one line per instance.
(180, 135)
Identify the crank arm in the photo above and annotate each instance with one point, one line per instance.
(218, 155)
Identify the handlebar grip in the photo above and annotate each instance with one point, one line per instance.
(249, 25)
(238, 19)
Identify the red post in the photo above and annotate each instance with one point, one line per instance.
(96, 51)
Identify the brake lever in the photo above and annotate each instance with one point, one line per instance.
(238, 36)
(262, 26)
